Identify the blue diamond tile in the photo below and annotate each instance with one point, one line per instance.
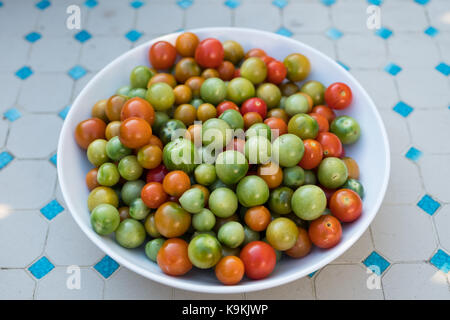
(41, 267)
(90, 3)
(328, 2)
(443, 68)
(312, 274)
(233, 4)
(83, 36)
(441, 260)
(280, 3)
(133, 35)
(284, 32)
(403, 109)
(375, 2)
(24, 72)
(63, 113)
(428, 204)
(422, 2)
(343, 65)
(136, 4)
(413, 154)
(384, 33)
(184, 4)
(1, 4)
(334, 33)
(52, 209)
(106, 266)
(12, 114)
(33, 37)
(431, 31)
(5, 158)
(376, 263)
(44, 4)
(53, 159)
(393, 69)
(77, 72)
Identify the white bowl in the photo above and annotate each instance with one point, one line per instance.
(371, 152)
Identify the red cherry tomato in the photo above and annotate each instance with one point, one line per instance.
(338, 96)
(313, 154)
(157, 174)
(328, 113)
(173, 257)
(225, 105)
(332, 146)
(267, 59)
(346, 205)
(162, 55)
(138, 107)
(259, 259)
(209, 53)
(325, 232)
(277, 124)
(323, 123)
(276, 72)
(88, 131)
(255, 52)
(254, 105)
(153, 195)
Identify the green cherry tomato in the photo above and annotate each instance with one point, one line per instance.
(161, 119)
(131, 190)
(124, 91)
(310, 177)
(258, 150)
(297, 103)
(346, 128)
(304, 126)
(193, 200)
(138, 209)
(140, 76)
(293, 177)
(116, 150)
(231, 166)
(315, 90)
(96, 152)
(204, 251)
(137, 92)
(298, 67)
(259, 129)
(282, 233)
(108, 175)
(223, 202)
(152, 248)
(216, 132)
(105, 219)
(171, 130)
(102, 195)
(161, 96)
(250, 235)
(218, 184)
(233, 118)
(204, 220)
(129, 168)
(354, 185)
(150, 226)
(213, 90)
(252, 191)
(240, 89)
(231, 234)
(180, 154)
(205, 174)
(196, 102)
(270, 93)
(332, 173)
(309, 202)
(254, 69)
(130, 233)
(288, 150)
(280, 200)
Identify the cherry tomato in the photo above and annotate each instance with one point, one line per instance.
(138, 107)
(331, 145)
(278, 113)
(88, 131)
(171, 220)
(302, 247)
(259, 259)
(257, 218)
(346, 205)
(149, 156)
(135, 132)
(323, 123)
(255, 52)
(250, 118)
(276, 72)
(162, 55)
(163, 77)
(277, 124)
(254, 105)
(226, 70)
(155, 141)
(325, 111)
(225, 105)
(91, 179)
(325, 232)
(114, 107)
(209, 53)
(157, 174)
(210, 73)
(313, 154)
(195, 83)
(271, 173)
(338, 96)
(229, 270)
(186, 44)
(153, 195)
(173, 257)
(176, 183)
(267, 59)
(194, 133)
(352, 167)
(183, 94)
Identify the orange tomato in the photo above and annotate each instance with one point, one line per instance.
(173, 257)
(257, 218)
(153, 195)
(302, 246)
(138, 107)
(271, 173)
(352, 167)
(135, 132)
(277, 124)
(149, 156)
(328, 113)
(91, 179)
(250, 118)
(229, 270)
(88, 131)
(176, 183)
(186, 44)
(172, 220)
(323, 123)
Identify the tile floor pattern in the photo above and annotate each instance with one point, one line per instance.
(405, 66)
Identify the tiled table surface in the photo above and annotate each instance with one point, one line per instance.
(404, 66)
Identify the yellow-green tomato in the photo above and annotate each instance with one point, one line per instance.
(102, 195)
(96, 152)
(130, 233)
(204, 251)
(108, 175)
(231, 234)
(204, 220)
(298, 67)
(282, 233)
(105, 219)
(193, 200)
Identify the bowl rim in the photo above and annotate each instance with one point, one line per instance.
(206, 288)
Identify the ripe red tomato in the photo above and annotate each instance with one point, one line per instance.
(153, 195)
(157, 174)
(229, 270)
(346, 205)
(277, 124)
(162, 55)
(226, 70)
(313, 154)
(135, 132)
(254, 105)
(325, 232)
(323, 123)
(209, 53)
(173, 257)
(276, 72)
(328, 113)
(338, 96)
(88, 131)
(267, 59)
(259, 259)
(138, 107)
(332, 146)
(225, 105)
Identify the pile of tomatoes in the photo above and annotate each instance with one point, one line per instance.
(168, 176)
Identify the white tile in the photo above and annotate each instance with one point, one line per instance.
(413, 50)
(30, 183)
(436, 180)
(397, 130)
(34, 136)
(16, 285)
(403, 233)
(442, 222)
(15, 57)
(67, 244)
(54, 54)
(3, 132)
(403, 16)
(189, 295)
(359, 251)
(46, 92)
(16, 20)
(127, 285)
(62, 284)
(113, 17)
(319, 42)
(404, 183)
(22, 234)
(362, 51)
(350, 16)
(346, 282)
(100, 50)
(415, 281)
(301, 289)
(161, 17)
(439, 11)
(248, 15)
(217, 15)
(443, 41)
(426, 128)
(306, 17)
(11, 85)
